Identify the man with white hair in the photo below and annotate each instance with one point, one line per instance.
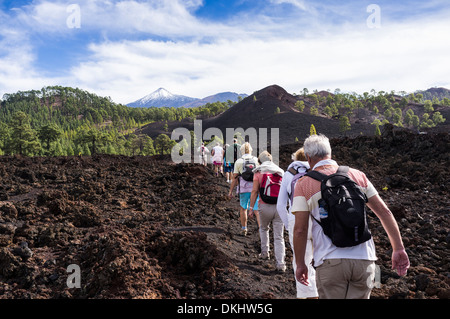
(341, 272)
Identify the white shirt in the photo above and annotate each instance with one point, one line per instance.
(218, 150)
(285, 189)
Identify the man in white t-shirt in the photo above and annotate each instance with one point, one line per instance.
(341, 272)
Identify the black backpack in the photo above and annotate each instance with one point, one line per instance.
(345, 202)
(247, 171)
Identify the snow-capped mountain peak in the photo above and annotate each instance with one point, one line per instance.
(160, 93)
(162, 97)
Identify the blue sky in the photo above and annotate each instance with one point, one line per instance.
(127, 49)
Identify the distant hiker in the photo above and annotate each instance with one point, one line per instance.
(227, 168)
(243, 178)
(217, 154)
(266, 182)
(203, 152)
(232, 154)
(344, 261)
(296, 170)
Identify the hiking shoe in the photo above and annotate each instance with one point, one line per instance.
(281, 269)
(264, 256)
(244, 231)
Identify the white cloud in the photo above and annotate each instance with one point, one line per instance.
(404, 57)
(17, 59)
(297, 3)
(164, 18)
(241, 55)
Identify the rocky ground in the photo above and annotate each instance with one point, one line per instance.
(143, 227)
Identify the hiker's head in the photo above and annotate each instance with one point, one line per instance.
(299, 155)
(317, 147)
(264, 157)
(246, 148)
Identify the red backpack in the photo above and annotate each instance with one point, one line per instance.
(270, 188)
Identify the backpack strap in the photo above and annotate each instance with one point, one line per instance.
(342, 169)
(320, 176)
(317, 175)
(293, 171)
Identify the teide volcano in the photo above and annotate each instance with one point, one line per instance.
(271, 107)
(161, 97)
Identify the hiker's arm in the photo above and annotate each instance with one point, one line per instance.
(255, 190)
(300, 239)
(233, 184)
(400, 260)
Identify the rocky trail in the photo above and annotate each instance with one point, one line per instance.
(144, 227)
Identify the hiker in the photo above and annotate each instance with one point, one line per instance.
(217, 154)
(203, 154)
(232, 154)
(243, 178)
(296, 170)
(266, 183)
(343, 270)
(227, 168)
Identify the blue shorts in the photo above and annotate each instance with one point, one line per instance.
(228, 168)
(244, 199)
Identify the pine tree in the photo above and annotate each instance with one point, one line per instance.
(428, 106)
(312, 130)
(164, 144)
(70, 151)
(93, 137)
(377, 131)
(58, 151)
(300, 105)
(344, 124)
(4, 134)
(110, 149)
(148, 147)
(49, 133)
(24, 140)
(86, 150)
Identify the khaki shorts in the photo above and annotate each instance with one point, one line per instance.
(345, 278)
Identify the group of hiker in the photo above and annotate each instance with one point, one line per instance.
(323, 207)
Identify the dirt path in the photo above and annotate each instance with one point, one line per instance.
(258, 275)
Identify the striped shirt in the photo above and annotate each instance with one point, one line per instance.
(306, 197)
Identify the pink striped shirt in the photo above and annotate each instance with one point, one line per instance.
(306, 197)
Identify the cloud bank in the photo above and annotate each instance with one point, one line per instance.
(131, 48)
